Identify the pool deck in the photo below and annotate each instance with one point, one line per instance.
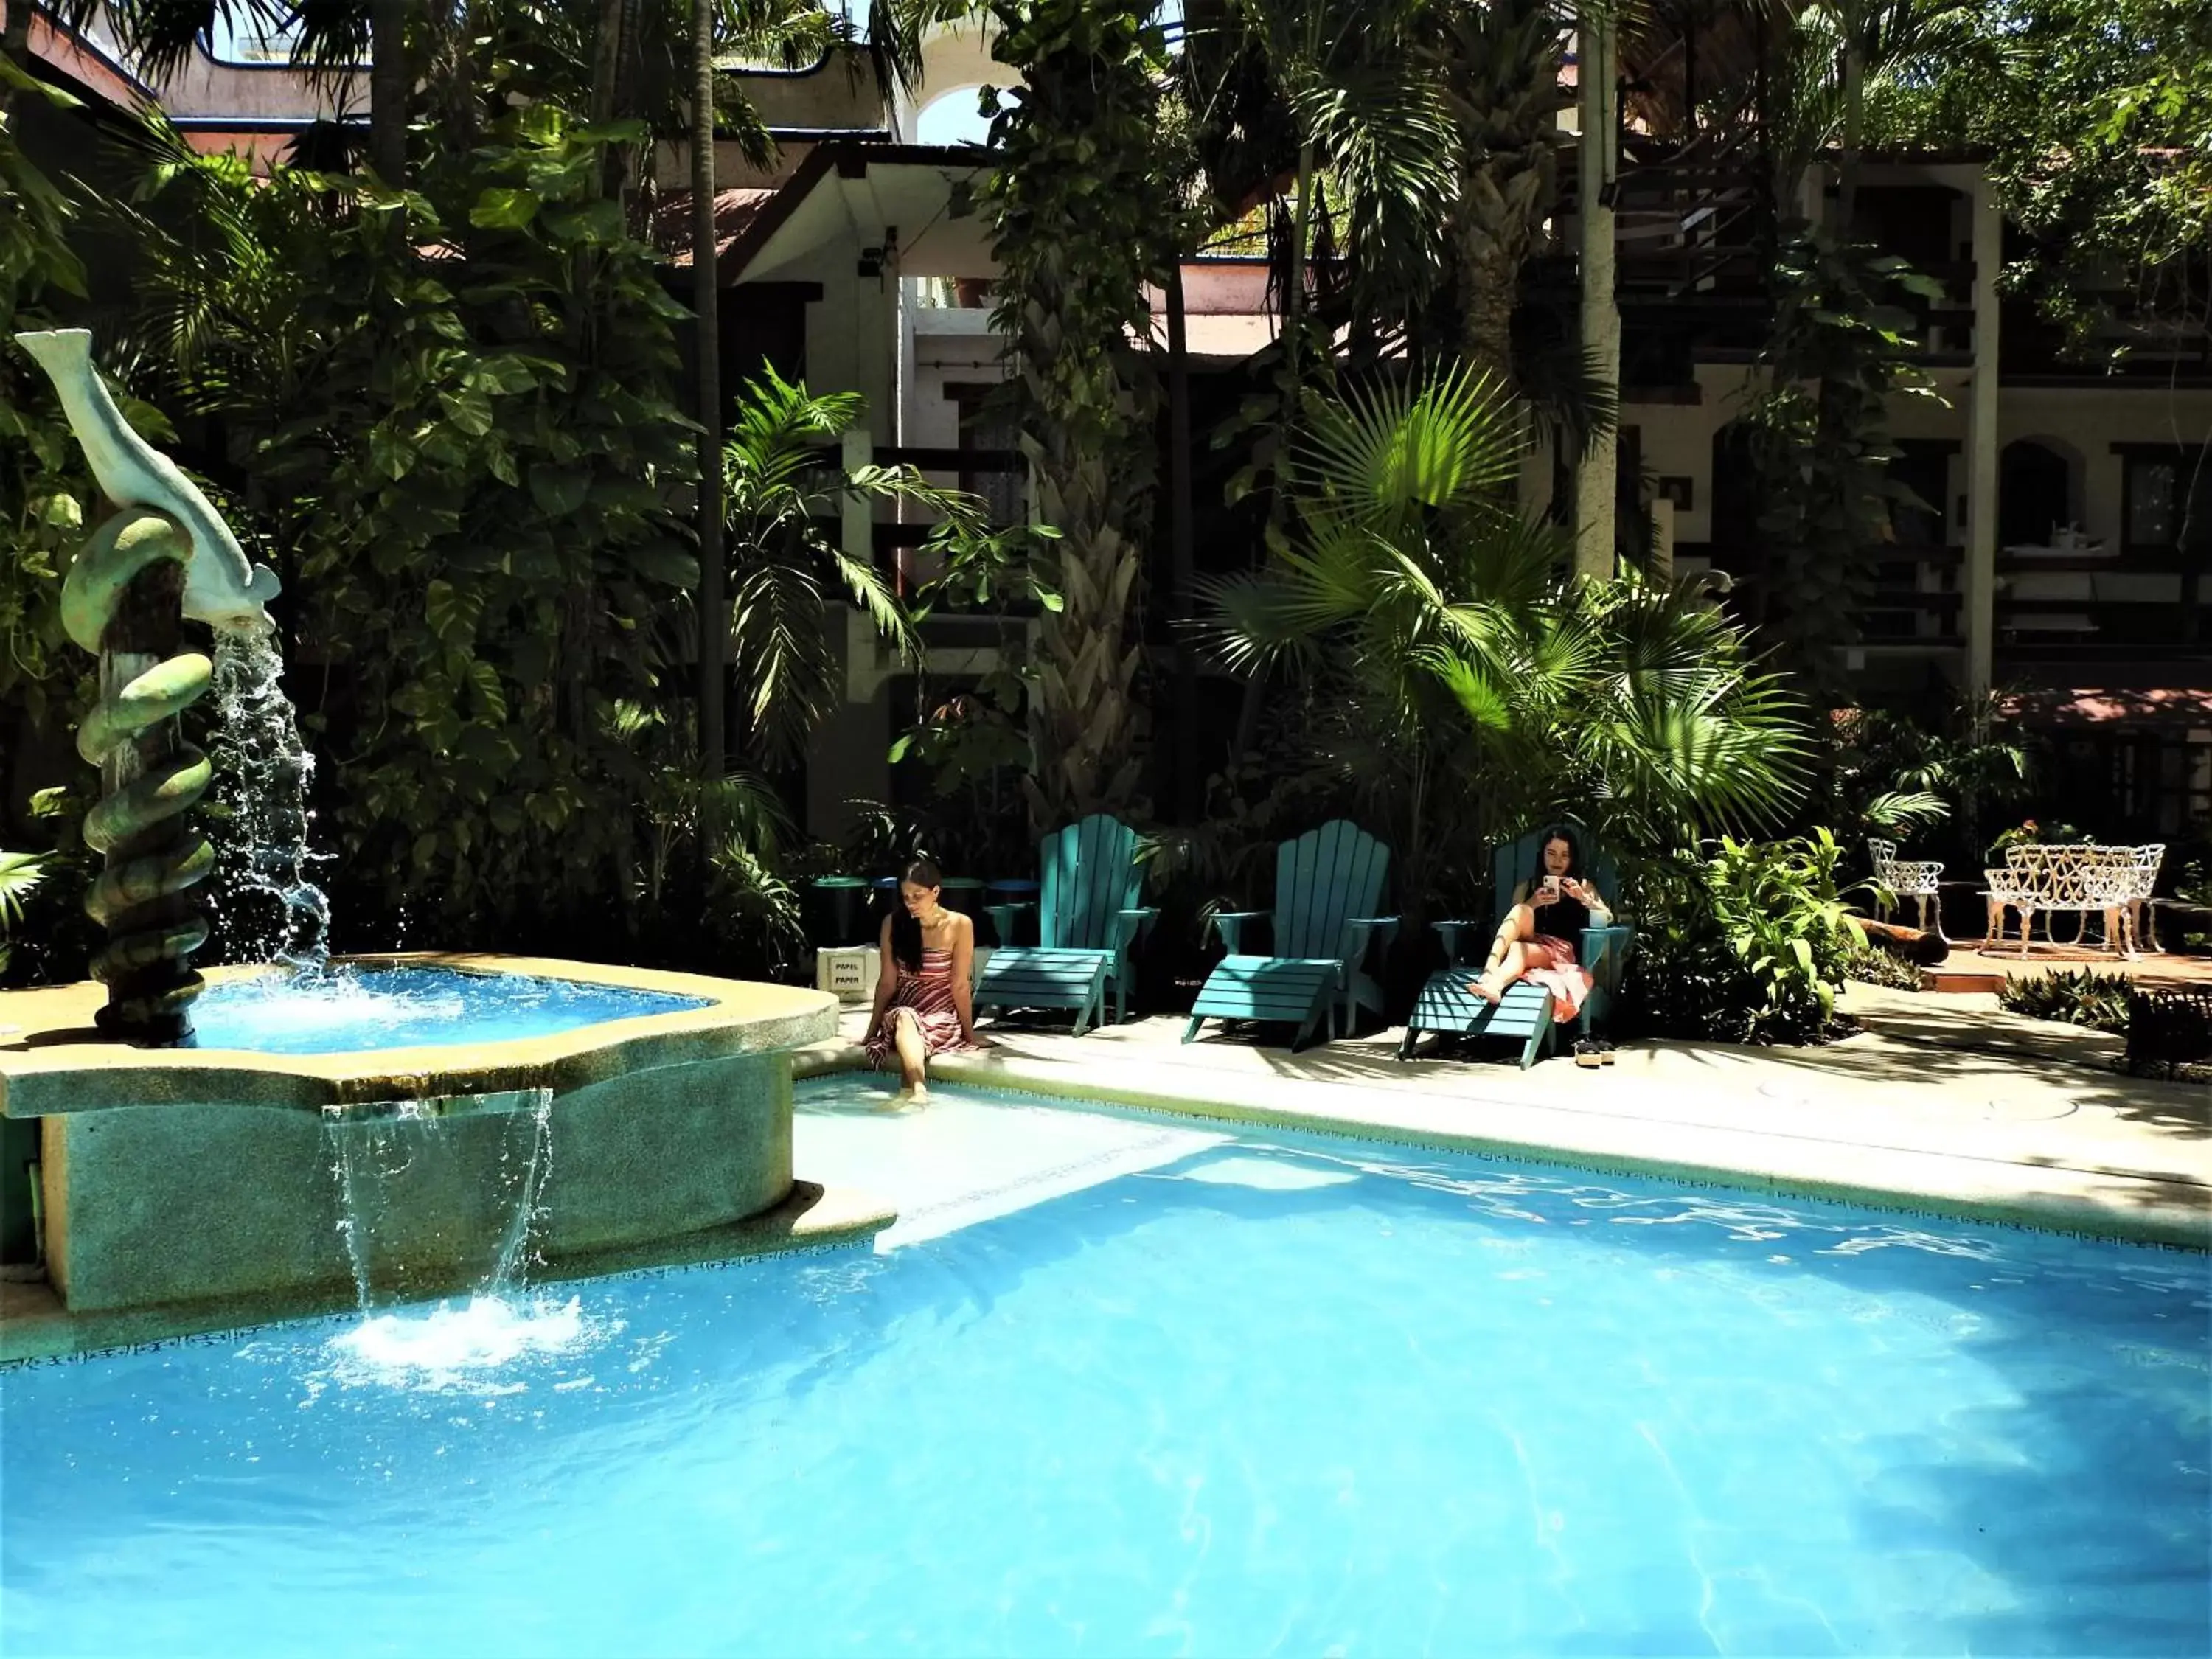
(1944, 1104)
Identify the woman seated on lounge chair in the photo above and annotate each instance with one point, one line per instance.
(924, 1004)
(1540, 936)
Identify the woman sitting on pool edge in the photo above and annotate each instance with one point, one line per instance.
(925, 1003)
(1539, 938)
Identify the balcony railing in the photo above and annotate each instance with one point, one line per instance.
(2149, 604)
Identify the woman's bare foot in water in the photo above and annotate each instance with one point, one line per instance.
(918, 1095)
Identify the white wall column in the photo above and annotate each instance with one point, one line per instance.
(1979, 613)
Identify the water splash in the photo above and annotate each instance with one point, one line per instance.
(473, 1346)
(386, 1154)
(268, 909)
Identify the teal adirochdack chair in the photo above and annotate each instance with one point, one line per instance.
(1524, 1013)
(1088, 917)
(1328, 891)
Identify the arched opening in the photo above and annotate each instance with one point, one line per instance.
(951, 117)
(2038, 490)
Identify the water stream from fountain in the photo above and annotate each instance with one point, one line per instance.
(268, 909)
(378, 1148)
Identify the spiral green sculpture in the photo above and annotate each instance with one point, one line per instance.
(164, 556)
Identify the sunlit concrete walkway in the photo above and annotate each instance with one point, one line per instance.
(1942, 1104)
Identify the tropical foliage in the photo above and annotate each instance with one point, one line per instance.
(2097, 119)
(47, 494)
(1885, 773)
(474, 469)
(1464, 688)
(20, 876)
(1740, 941)
(784, 486)
(2072, 997)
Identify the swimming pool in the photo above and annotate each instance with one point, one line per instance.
(1278, 1393)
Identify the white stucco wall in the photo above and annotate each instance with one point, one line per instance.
(2088, 419)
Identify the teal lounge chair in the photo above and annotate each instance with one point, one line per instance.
(1087, 918)
(1328, 886)
(1523, 1015)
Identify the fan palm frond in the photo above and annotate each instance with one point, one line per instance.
(1395, 448)
(20, 876)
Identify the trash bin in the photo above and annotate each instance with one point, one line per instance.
(836, 911)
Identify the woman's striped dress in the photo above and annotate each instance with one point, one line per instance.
(929, 994)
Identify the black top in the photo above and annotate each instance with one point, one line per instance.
(1564, 920)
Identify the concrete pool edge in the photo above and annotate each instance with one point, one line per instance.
(34, 1326)
(2098, 1202)
(55, 1066)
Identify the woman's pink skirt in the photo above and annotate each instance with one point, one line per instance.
(1557, 966)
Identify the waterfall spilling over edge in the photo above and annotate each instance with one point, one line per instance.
(267, 910)
(375, 1146)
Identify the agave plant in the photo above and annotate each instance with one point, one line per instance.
(19, 873)
(1469, 686)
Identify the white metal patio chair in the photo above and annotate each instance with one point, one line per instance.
(1919, 880)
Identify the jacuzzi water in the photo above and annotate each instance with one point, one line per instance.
(347, 1008)
(1280, 1395)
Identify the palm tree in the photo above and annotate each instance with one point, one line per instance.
(1314, 103)
(1472, 691)
(1498, 61)
(782, 483)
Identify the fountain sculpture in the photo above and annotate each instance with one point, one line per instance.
(164, 556)
(396, 1127)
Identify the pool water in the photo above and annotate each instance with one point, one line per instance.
(342, 1009)
(1281, 1394)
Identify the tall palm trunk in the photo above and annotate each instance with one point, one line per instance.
(15, 43)
(1854, 90)
(1180, 548)
(1493, 225)
(1597, 476)
(1499, 63)
(1076, 244)
(388, 90)
(706, 298)
(609, 40)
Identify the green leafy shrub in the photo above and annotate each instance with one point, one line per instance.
(474, 475)
(2083, 998)
(1744, 942)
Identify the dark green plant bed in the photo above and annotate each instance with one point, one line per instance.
(2097, 1000)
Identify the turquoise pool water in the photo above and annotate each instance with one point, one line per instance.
(346, 1008)
(1283, 1395)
